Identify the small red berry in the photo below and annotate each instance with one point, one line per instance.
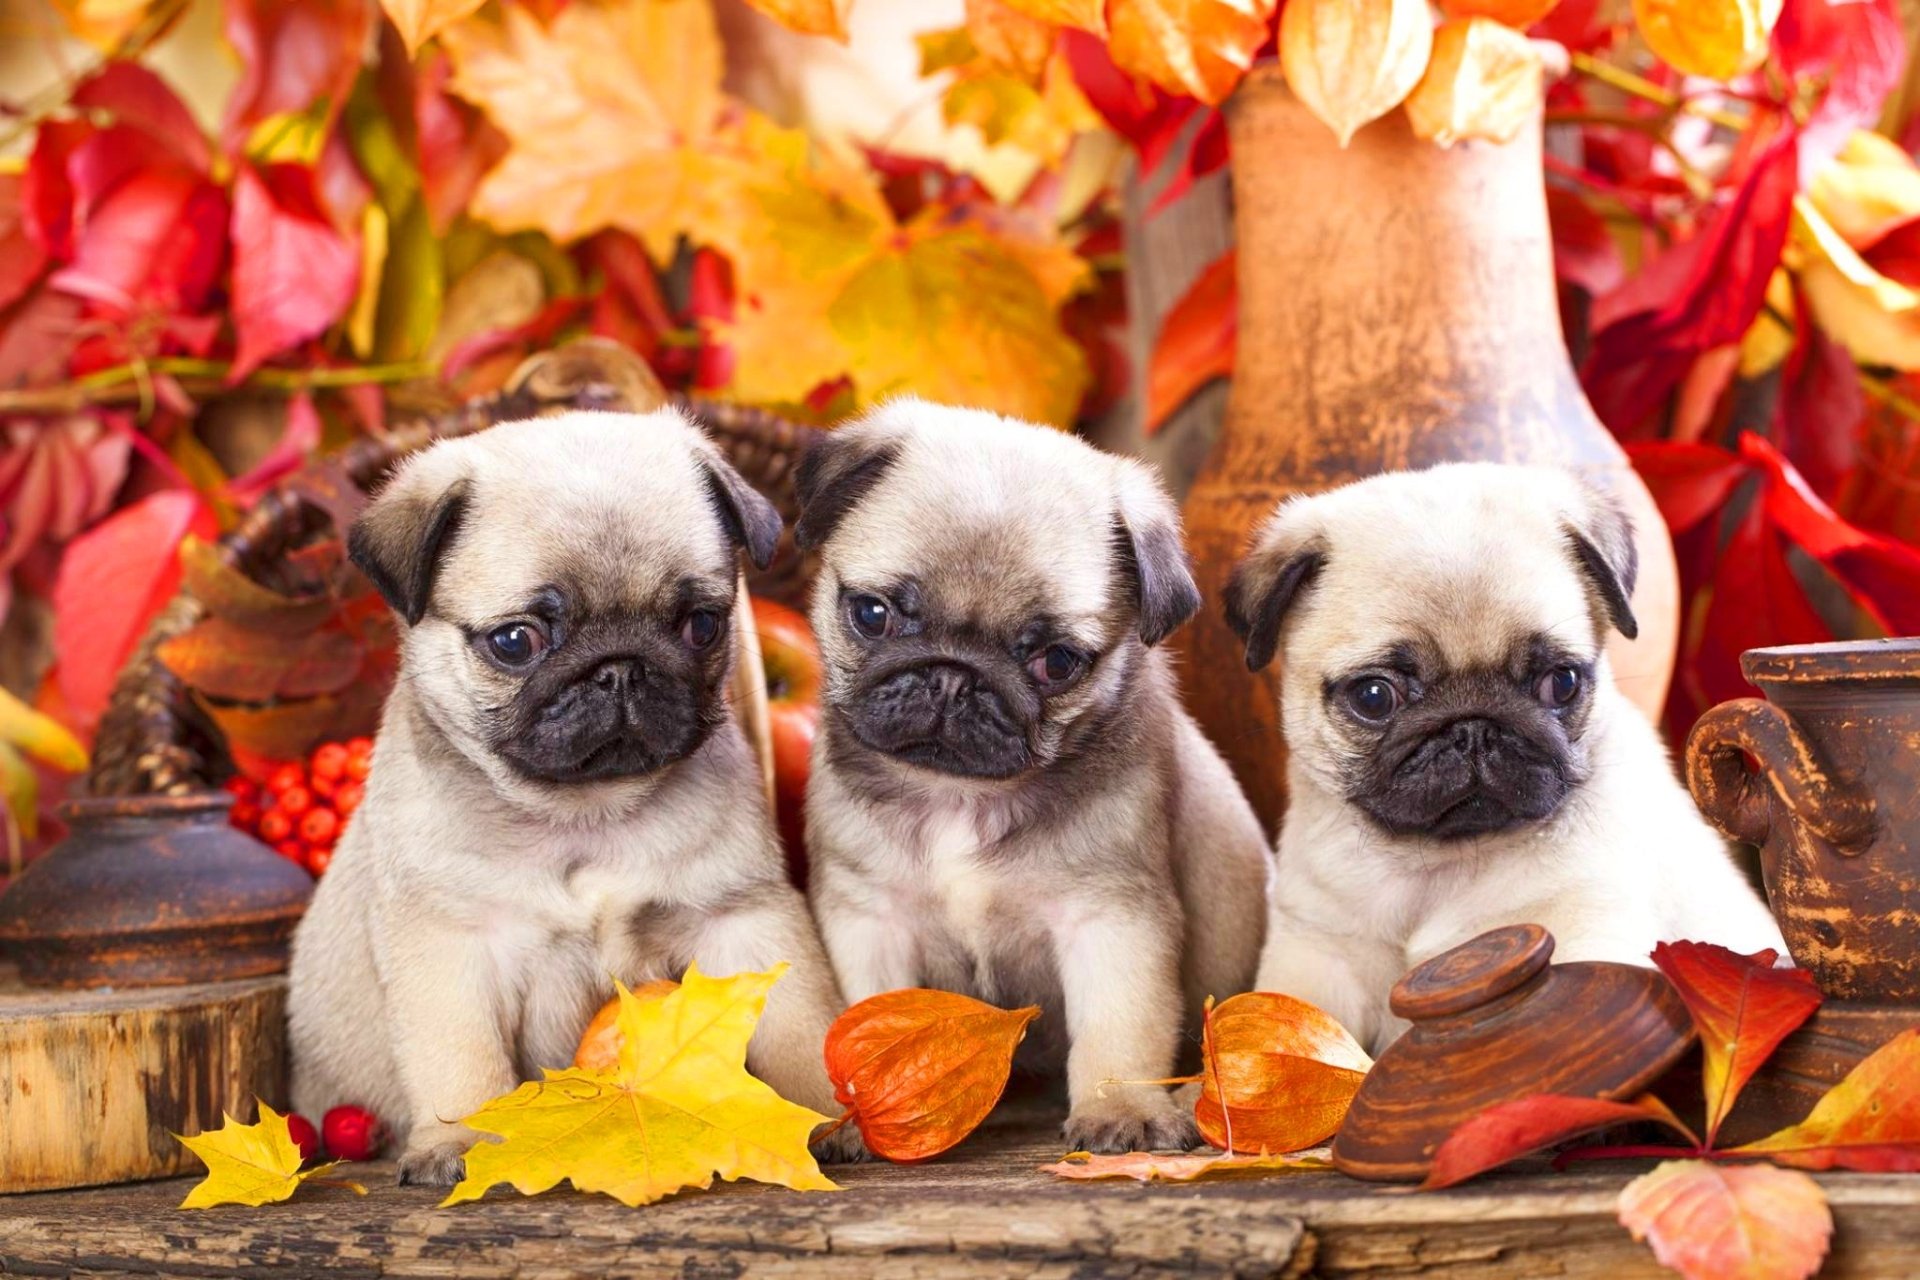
(245, 814)
(323, 788)
(348, 798)
(319, 858)
(353, 1133)
(304, 1136)
(329, 760)
(359, 765)
(319, 825)
(285, 776)
(275, 825)
(294, 851)
(294, 801)
(241, 787)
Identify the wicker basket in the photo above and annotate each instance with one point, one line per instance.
(155, 740)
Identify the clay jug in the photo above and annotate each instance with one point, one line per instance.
(1397, 310)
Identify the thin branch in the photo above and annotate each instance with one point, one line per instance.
(131, 383)
(1639, 86)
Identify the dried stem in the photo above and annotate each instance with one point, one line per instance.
(131, 383)
(1639, 86)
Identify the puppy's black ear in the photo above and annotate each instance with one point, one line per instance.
(836, 472)
(1152, 558)
(1267, 582)
(400, 539)
(749, 520)
(1600, 535)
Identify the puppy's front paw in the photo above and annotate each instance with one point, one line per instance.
(438, 1164)
(1146, 1120)
(843, 1146)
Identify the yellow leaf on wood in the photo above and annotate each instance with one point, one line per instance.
(419, 21)
(1719, 39)
(1195, 47)
(678, 1110)
(252, 1164)
(809, 17)
(1352, 61)
(1143, 1166)
(1483, 84)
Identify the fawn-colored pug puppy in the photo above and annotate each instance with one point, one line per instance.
(1007, 798)
(560, 791)
(1458, 757)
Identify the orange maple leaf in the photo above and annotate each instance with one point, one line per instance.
(1743, 1222)
(614, 118)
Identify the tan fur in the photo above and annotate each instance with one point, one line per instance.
(1470, 559)
(472, 917)
(1117, 902)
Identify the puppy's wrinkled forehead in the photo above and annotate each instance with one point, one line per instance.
(615, 519)
(1017, 522)
(1466, 571)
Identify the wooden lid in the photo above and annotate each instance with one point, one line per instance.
(1473, 974)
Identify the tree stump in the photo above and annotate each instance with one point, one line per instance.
(94, 1084)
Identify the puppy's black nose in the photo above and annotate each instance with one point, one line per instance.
(1473, 736)
(948, 684)
(615, 674)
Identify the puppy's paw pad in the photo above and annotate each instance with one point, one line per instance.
(1113, 1130)
(844, 1146)
(440, 1165)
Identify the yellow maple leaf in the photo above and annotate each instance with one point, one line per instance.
(251, 1164)
(614, 116)
(679, 1109)
(419, 21)
(1012, 41)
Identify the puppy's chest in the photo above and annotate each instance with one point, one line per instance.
(981, 920)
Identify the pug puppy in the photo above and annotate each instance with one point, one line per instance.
(1007, 799)
(559, 790)
(1458, 755)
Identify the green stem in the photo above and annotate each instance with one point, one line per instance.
(1639, 86)
(125, 383)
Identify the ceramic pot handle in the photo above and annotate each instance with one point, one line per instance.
(1736, 801)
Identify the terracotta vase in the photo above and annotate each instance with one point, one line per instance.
(1397, 310)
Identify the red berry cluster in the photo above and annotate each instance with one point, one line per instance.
(345, 1133)
(302, 808)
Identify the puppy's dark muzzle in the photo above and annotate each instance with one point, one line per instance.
(1474, 776)
(619, 719)
(946, 716)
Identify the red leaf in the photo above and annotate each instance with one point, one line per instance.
(710, 304)
(1746, 1222)
(1743, 1008)
(1505, 1132)
(1821, 409)
(1870, 1121)
(21, 258)
(1153, 121)
(1700, 294)
(157, 239)
(1196, 342)
(1896, 254)
(113, 579)
(1881, 574)
(1858, 48)
(628, 306)
(291, 57)
(1584, 251)
(293, 274)
(457, 143)
(1689, 481)
(139, 99)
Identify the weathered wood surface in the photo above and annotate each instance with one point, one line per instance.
(93, 1084)
(983, 1211)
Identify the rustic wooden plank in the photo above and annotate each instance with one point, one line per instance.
(984, 1211)
(93, 1084)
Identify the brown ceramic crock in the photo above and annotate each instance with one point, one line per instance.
(152, 891)
(1493, 1021)
(1834, 806)
(1396, 309)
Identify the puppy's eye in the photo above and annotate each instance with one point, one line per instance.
(1054, 666)
(1373, 698)
(1558, 687)
(517, 643)
(870, 616)
(700, 629)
